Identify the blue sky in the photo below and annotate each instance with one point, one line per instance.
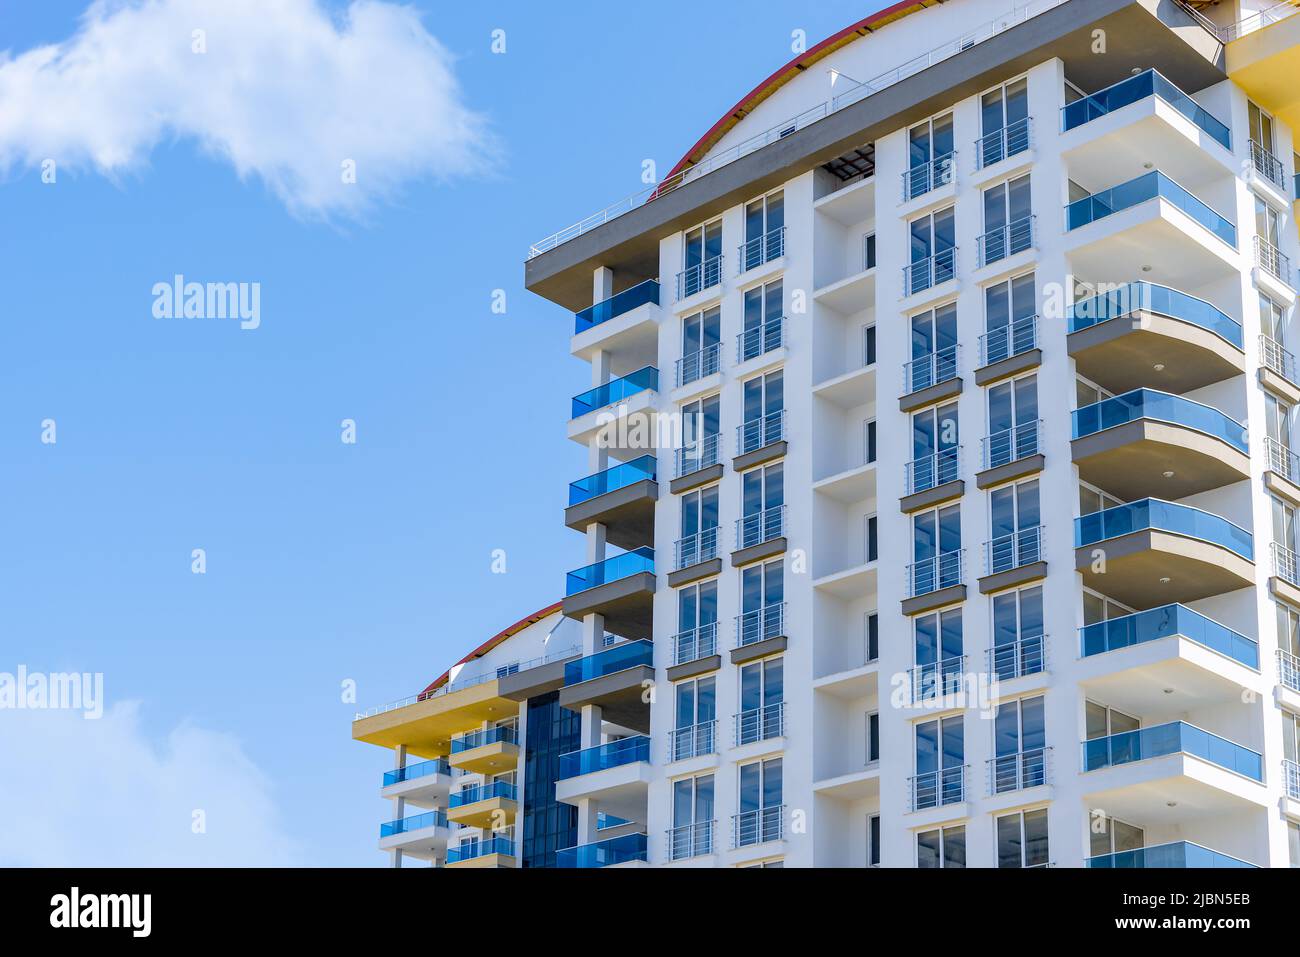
(325, 561)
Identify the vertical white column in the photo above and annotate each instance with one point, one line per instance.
(590, 737)
(399, 803)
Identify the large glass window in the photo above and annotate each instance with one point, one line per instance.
(1004, 119)
(936, 549)
(548, 824)
(763, 314)
(702, 259)
(937, 647)
(701, 421)
(929, 156)
(940, 763)
(933, 244)
(1009, 311)
(697, 621)
(760, 816)
(1013, 421)
(941, 847)
(762, 696)
(764, 225)
(934, 347)
(1008, 220)
(762, 498)
(1022, 839)
(1014, 526)
(1019, 745)
(1110, 836)
(696, 718)
(1101, 721)
(700, 345)
(762, 601)
(934, 447)
(764, 403)
(699, 530)
(693, 818)
(1261, 127)
(1017, 633)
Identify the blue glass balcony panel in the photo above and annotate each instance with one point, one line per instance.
(482, 792)
(414, 823)
(616, 390)
(1139, 87)
(1179, 854)
(616, 305)
(612, 479)
(611, 569)
(1152, 513)
(616, 850)
(630, 654)
(475, 849)
(1150, 404)
(1135, 297)
(1176, 737)
(1136, 191)
(603, 757)
(413, 771)
(1164, 622)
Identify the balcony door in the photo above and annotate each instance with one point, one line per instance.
(1018, 633)
(936, 547)
(935, 437)
(696, 716)
(692, 833)
(933, 239)
(1108, 835)
(1014, 520)
(1261, 128)
(1003, 113)
(937, 649)
(1019, 743)
(929, 155)
(764, 309)
(764, 400)
(764, 220)
(934, 347)
(761, 797)
(700, 338)
(700, 264)
(1013, 421)
(940, 762)
(762, 496)
(762, 692)
(1009, 308)
(1007, 214)
(762, 593)
(699, 537)
(697, 621)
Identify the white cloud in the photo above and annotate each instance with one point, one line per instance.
(285, 93)
(92, 793)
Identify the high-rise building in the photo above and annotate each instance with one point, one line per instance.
(942, 506)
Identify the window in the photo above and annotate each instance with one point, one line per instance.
(1288, 629)
(933, 251)
(699, 529)
(871, 627)
(1088, 393)
(935, 438)
(873, 737)
(870, 551)
(1272, 319)
(1013, 421)
(1017, 633)
(701, 421)
(934, 347)
(1100, 608)
(942, 847)
(697, 622)
(762, 697)
(761, 812)
(1110, 836)
(1101, 721)
(764, 316)
(868, 441)
(1094, 500)
(869, 251)
(692, 833)
(547, 824)
(1293, 842)
(930, 160)
(937, 650)
(762, 602)
(764, 231)
(1015, 527)
(1008, 221)
(1262, 146)
(1004, 121)
(764, 405)
(700, 345)
(940, 763)
(1022, 839)
(1019, 745)
(1284, 525)
(762, 505)
(873, 840)
(1267, 223)
(702, 259)
(696, 718)
(869, 344)
(1010, 319)
(1261, 127)
(936, 550)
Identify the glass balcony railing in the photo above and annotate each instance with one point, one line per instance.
(1139, 87)
(616, 305)
(413, 771)
(630, 654)
(1135, 297)
(611, 569)
(612, 479)
(1148, 186)
(414, 823)
(1163, 407)
(1152, 513)
(1163, 622)
(482, 792)
(475, 849)
(1178, 854)
(1003, 241)
(615, 754)
(506, 734)
(759, 527)
(615, 850)
(615, 391)
(1176, 737)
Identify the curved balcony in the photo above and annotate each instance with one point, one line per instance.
(622, 498)
(1176, 737)
(1151, 552)
(1146, 442)
(1179, 854)
(1143, 334)
(1134, 89)
(1167, 621)
(621, 588)
(615, 679)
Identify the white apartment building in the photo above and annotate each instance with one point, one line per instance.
(941, 506)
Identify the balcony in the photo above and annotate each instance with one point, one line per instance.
(1167, 621)
(1153, 185)
(759, 633)
(1010, 454)
(935, 270)
(422, 836)
(760, 724)
(760, 440)
(486, 751)
(759, 535)
(624, 849)
(759, 826)
(928, 177)
(934, 582)
(617, 305)
(1268, 166)
(1288, 670)
(492, 806)
(1286, 573)
(1012, 140)
(1277, 370)
(620, 588)
(1163, 338)
(691, 840)
(932, 479)
(1004, 242)
(622, 498)
(1291, 779)
(1276, 264)
(1017, 772)
(603, 757)
(695, 646)
(696, 464)
(615, 775)
(615, 679)
(931, 378)
(762, 249)
(761, 339)
(423, 784)
(695, 557)
(1151, 552)
(615, 391)
(1176, 737)
(493, 852)
(1148, 84)
(1008, 350)
(693, 741)
(1013, 559)
(696, 279)
(935, 684)
(1026, 655)
(934, 789)
(1146, 442)
(1180, 854)
(698, 365)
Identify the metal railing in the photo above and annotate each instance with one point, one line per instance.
(1002, 143)
(1003, 342)
(937, 788)
(761, 432)
(1010, 445)
(1284, 564)
(999, 243)
(1026, 655)
(760, 624)
(691, 840)
(700, 454)
(421, 769)
(760, 724)
(931, 471)
(1015, 772)
(1024, 546)
(698, 364)
(1267, 165)
(762, 249)
(1179, 854)
(760, 527)
(933, 574)
(1282, 460)
(1288, 669)
(758, 826)
(693, 549)
(1272, 260)
(1257, 21)
(923, 274)
(699, 277)
(695, 643)
(692, 741)
(931, 369)
(937, 679)
(929, 176)
(760, 339)
(1291, 777)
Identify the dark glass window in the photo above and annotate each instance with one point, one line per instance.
(548, 824)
